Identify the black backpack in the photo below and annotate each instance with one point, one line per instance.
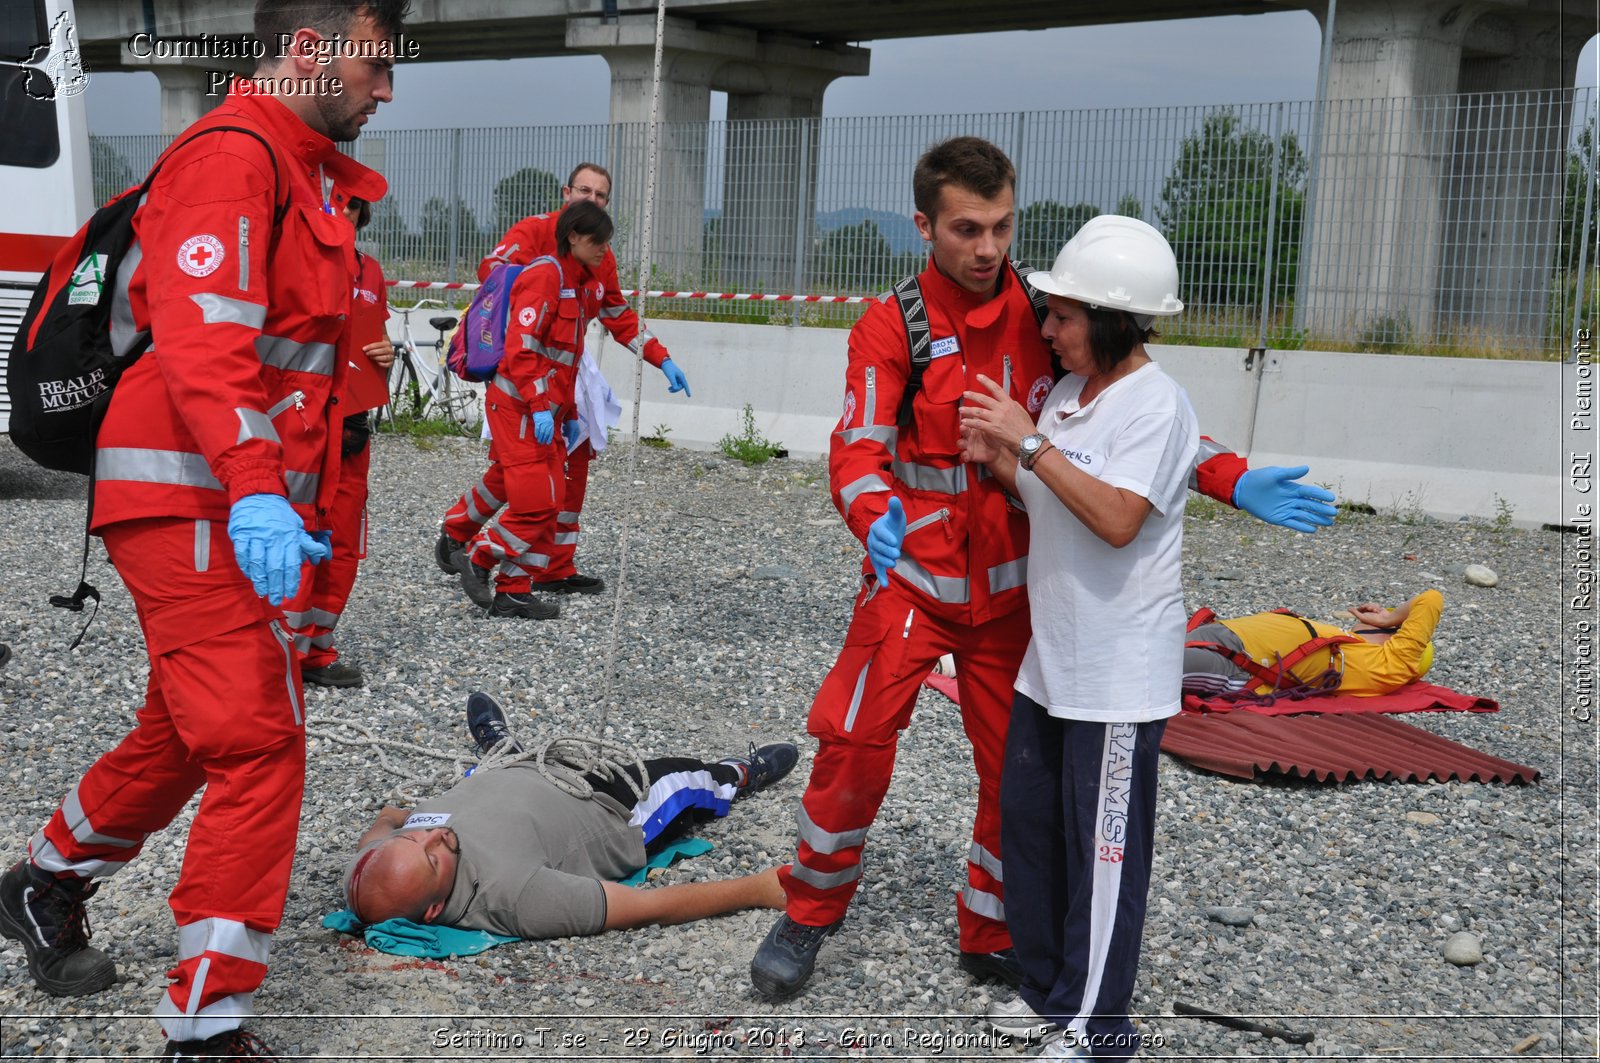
(64, 363)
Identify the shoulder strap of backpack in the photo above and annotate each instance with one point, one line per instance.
(919, 336)
(1040, 301)
(280, 198)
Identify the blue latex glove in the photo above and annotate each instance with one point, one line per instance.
(269, 543)
(544, 426)
(884, 539)
(569, 432)
(1272, 495)
(676, 381)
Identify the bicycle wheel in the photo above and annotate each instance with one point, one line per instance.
(459, 403)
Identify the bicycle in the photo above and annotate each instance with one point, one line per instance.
(423, 387)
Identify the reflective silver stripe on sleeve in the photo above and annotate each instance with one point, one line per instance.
(253, 424)
(202, 545)
(952, 590)
(852, 491)
(855, 697)
(612, 311)
(1008, 576)
(986, 860)
(984, 904)
(824, 881)
(302, 486)
(869, 408)
(951, 481)
(827, 841)
(280, 352)
(886, 434)
(220, 310)
(123, 333)
(1209, 448)
(183, 469)
(504, 383)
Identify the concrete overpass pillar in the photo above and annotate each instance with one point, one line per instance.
(188, 89)
(774, 88)
(1424, 204)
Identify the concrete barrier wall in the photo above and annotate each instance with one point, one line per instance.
(1443, 436)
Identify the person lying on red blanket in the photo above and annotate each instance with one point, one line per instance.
(1279, 651)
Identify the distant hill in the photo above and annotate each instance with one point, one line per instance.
(899, 230)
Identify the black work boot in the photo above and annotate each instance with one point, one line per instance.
(522, 606)
(230, 1044)
(1001, 966)
(762, 767)
(337, 674)
(442, 549)
(46, 914)
(783, 963)
(474, 579)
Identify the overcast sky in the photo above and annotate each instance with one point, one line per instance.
(1236, 59)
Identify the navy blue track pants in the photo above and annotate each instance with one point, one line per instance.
(1077, 822)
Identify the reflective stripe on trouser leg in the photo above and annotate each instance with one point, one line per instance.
(231, 697)
(565, 544)
(475, 508)
(987, 659)
(325, 588)
(1078, 865)
(860, 709)
(525, 529)
(217, 959)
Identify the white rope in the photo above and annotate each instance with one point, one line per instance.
(608, 686)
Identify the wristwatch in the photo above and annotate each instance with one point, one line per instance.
(1030, 448)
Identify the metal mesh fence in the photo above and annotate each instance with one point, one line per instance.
(1451, 224)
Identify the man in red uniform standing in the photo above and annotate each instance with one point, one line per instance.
(215, 470)
(315, 613)
(523, 242)
(957, 547)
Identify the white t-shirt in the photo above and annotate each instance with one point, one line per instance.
(1108, 623)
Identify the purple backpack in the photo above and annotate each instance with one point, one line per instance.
(478, 345)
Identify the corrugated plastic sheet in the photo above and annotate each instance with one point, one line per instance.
(1340, 748)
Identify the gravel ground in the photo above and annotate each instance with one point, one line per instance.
(739, 588)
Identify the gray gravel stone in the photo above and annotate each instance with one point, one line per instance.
(1480, 576)
(1349, 898)
(1231, 916)
(1463, 949)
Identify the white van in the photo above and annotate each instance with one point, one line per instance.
(46, 180)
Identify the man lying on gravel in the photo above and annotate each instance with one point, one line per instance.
(511, 850)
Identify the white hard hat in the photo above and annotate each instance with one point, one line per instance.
(1116, 263)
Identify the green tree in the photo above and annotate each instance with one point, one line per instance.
(853, 259)
(528, 191)
(433, 232)
(1130, 207)
(1044, 225)
(1582, 183)
(388, 231)
(1215, 211)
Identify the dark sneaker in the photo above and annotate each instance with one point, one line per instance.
(999, 966)
(234, 1044)
(574, 584)
(47, 915)
(442, 551)
(521, 606)
(337, 674)
(783, 963)
(765, 766)
(474, 579)
(487, 722)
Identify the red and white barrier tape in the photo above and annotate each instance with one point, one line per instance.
(723, 296)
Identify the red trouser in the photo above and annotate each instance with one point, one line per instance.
(324, 589)
(483, 499)
(223, 710)
(521, 540)
(865, 702)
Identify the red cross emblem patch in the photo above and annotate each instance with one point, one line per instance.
(201, 256)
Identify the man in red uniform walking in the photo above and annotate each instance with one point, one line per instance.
(523, 242)
(215, 470)
(957, 547)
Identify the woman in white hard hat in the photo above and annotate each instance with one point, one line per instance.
(1104, 476)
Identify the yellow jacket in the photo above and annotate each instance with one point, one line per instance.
(1369, 668)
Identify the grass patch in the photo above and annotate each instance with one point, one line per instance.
(749, 446)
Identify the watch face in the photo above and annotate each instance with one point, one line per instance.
(1031, 443)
